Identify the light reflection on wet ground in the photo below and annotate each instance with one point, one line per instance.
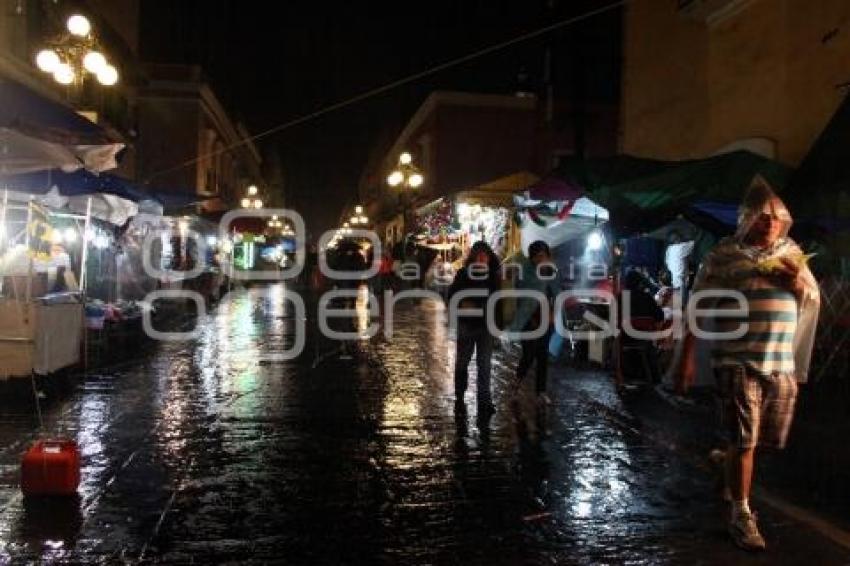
(205, 452)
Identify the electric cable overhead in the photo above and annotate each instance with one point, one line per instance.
(395, 84)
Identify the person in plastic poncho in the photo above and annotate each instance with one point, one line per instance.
(757, 373)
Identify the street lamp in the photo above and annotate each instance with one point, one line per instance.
(408, 175)
(250, 201)
(70, 55)
(405, 173)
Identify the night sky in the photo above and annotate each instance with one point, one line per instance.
(272, 62)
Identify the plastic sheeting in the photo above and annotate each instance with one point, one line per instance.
(109, 208)
(23, 153)
(734, 258)
(676, 258)
(20, 153)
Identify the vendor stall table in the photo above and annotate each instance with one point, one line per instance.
(41, 336)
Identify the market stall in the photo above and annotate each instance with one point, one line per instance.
(575, 227)
(578, 234)
(41, 307)
(92, 257)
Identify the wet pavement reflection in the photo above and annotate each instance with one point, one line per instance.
(208, 451)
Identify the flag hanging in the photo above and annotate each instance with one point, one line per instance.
(40, 232)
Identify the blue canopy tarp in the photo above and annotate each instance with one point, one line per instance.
(33, 114)
(83, 182)
(77, 183)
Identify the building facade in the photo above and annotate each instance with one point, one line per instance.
(27, 26)
(705, 76)
(188, 140)
(465, 142)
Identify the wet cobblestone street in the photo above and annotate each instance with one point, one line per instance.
(203, 452)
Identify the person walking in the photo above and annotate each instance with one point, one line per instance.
(538, 273)
(479, 272)
(757, 374)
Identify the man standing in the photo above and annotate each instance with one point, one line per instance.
(540, 275)
(757, 373)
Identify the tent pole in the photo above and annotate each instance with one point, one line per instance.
(84, 281)
(28, 294)
(85, 251)
(4, 244)
(4, 235)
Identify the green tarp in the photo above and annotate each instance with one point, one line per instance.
(642, 194)
(820, 187)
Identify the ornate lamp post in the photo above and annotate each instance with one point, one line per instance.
(406, 174)
(252, 200)
(359, 217)
(75, 52)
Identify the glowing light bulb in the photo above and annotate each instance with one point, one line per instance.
(107, 76)
(63, 74)
(79, 25)
(415, 180)
(47, 60)
(94, 62)
(595, 241)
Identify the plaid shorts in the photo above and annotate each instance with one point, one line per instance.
(756, 410)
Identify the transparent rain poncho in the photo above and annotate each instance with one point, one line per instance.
(734, 260)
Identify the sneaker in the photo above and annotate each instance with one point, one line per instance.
(746, 533)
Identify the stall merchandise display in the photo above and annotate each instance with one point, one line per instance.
(487, 223)
(98, 313)
(437, 220)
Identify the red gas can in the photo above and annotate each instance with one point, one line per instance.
(51, 467)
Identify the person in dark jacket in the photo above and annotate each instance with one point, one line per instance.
(538, 274)
(642, 302)
(645, 315)
(480, 271)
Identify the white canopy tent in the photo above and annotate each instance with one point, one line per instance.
(584, 216)
(22, 153)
